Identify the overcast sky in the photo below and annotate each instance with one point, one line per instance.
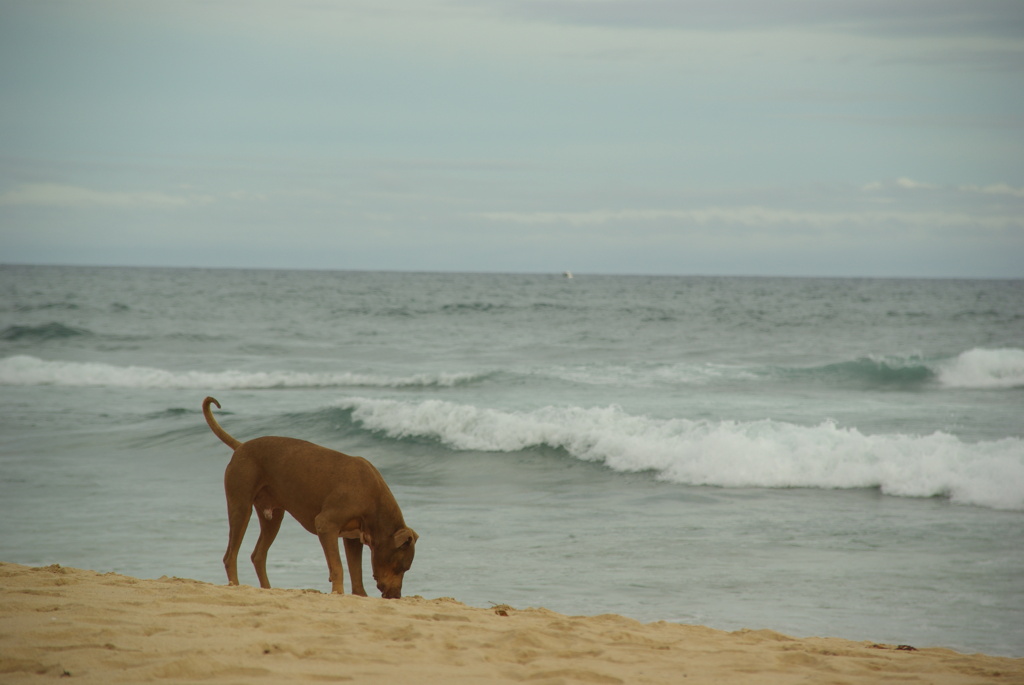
(752, 137)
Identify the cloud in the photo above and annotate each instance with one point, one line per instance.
(995, 189)
(911, 184)
(69, 196)
(904, 183)
(960, 58)
(761, 217)
(867, 17)
(901, 183)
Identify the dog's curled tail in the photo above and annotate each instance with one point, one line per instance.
(215, 427)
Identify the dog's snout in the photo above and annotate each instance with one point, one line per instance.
(390, 590)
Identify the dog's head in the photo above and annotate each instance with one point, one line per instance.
(390, 559)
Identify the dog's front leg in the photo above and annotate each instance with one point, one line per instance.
(354, 557)
(328, 531)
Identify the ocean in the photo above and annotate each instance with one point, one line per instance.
(834, 457)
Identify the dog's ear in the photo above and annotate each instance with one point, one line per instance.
(365, 538)
(405, 537)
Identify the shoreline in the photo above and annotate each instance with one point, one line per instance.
(90, 627)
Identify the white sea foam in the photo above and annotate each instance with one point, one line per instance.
(26, 370)
(765, 453)
(984, 368)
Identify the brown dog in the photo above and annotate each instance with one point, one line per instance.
(331, 494)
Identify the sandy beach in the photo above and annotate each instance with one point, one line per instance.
(83, 626)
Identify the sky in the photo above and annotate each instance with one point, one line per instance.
(874, 138)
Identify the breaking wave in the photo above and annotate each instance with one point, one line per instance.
(983, 368)
(26, 370)
(978, 368)
(769, 454)
(875, 372)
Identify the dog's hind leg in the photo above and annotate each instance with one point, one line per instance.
(240, 485)
(270, 523)
(238, 521)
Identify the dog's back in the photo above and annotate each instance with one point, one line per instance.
(301, 475)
